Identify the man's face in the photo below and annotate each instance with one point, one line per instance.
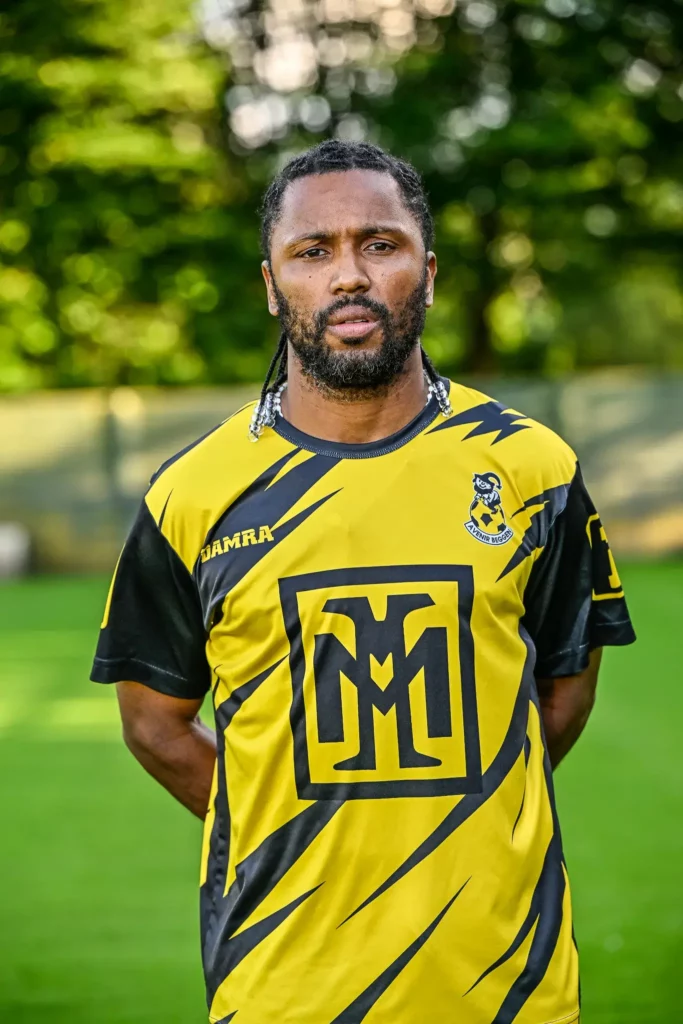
(349, 279)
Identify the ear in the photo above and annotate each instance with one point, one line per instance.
(431, 274)
(272, 297)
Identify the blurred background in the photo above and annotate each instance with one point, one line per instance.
(135, 142)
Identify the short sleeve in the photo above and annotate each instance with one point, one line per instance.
(153, 631)
(574, 600)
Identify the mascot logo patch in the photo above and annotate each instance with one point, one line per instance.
(487, 519)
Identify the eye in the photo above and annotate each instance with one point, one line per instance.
(381, 246)
(312, 253)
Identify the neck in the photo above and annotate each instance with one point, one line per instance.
(353, 421)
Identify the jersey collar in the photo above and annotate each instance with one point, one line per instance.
(385, 445)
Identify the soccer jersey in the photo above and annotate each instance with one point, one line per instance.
(381, 842)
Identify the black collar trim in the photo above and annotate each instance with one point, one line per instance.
(338, 450)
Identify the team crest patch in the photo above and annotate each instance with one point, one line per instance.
(487, 518)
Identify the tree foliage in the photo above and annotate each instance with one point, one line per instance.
(135, 140)
(126, 228)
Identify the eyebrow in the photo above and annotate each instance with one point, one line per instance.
(367, 229)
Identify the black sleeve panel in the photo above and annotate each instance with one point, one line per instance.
(153, 632)
(574, 599)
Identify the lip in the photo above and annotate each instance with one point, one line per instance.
(352, 323)
(353, 331)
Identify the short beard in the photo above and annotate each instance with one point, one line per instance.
(354, 374)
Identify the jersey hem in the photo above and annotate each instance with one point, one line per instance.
(613, 634)
(573, 660)
(573, 1018)
(134, 670)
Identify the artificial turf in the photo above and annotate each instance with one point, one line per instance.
(98, 867)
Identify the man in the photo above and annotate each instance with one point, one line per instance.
(398, 597)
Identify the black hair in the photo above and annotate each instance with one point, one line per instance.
(336, 155)
(326, 158)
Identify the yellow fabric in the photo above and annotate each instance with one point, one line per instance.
(401, 516)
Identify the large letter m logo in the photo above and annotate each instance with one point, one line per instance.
(383, 689)
(382, 640)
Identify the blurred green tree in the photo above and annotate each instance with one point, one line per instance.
(126, 230)
(547, 134)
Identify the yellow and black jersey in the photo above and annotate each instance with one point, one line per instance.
(381, 843)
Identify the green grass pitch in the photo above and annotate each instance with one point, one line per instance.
(98, 867)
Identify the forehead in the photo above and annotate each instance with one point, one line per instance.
(341, 202)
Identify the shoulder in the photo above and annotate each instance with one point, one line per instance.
(193, 488)
(494, 432)
(191, 462)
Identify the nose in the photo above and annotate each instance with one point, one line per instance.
(349, 276)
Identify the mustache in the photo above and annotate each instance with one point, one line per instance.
(322, 316)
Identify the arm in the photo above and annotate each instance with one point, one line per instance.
(566, 704)
(170, 742)
(152, 645)
(574, 604)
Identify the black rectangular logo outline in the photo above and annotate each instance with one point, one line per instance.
(290, 587)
